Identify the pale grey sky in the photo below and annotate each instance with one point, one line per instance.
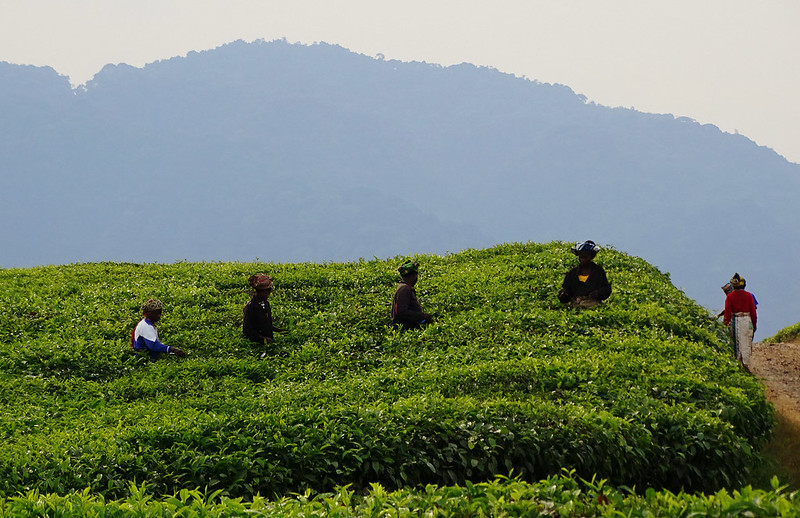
(731, 63)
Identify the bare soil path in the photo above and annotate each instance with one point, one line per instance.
(778, 367)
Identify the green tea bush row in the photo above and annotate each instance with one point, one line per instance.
(787, 334)
(562, 495)
(413, 441)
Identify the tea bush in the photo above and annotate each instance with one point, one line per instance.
(641, 391)
(787, 334)
(563, 495)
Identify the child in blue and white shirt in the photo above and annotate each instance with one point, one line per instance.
(145, 335)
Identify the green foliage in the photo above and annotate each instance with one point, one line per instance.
(641, 391)
(562, 495)
(787, 334)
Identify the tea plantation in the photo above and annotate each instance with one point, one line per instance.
(640, 392)
(787, 334)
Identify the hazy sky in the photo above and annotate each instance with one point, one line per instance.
(732, 63)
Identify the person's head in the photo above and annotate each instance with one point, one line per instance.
(409, 271)
(727, 288)
(262, 284)
(586, 251)
(152, 310)
(738, 282)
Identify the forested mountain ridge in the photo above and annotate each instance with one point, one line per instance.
(312, 153)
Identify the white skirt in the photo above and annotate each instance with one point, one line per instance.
(742, 333)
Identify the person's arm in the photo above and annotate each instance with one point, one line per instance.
(566, 292)
(726, 319)
(603, 290)
(157, 346)
(753, 314)
(265, 327)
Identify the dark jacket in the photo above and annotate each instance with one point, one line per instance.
(406, 310)
(596, 286)
(257, 322)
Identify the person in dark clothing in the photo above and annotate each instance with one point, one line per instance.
(406, 309)
(586, 285)
(257, 323)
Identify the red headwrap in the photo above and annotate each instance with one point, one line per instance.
(260, 281)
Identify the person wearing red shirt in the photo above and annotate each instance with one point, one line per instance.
(741, 317)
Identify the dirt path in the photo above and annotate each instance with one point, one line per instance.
(778, 367)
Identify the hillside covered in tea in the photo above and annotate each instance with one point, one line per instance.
(642, 391)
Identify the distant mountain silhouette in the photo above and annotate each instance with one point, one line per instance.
(287, 152)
